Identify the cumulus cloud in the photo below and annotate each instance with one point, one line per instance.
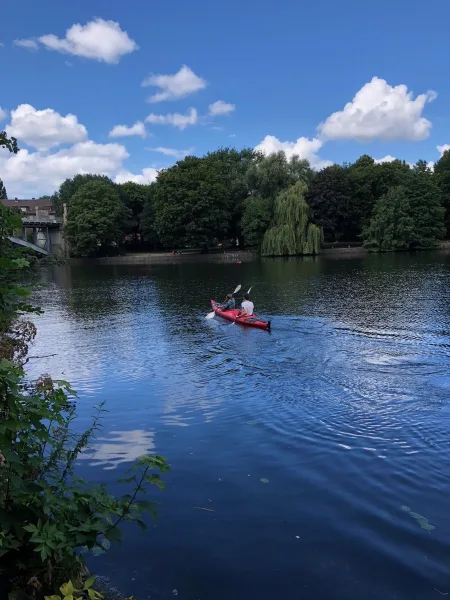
(443, 148)
(175, 86)
(303, 147)
(98, 40)
(34, 173)
(147, 175)
(221, 108)
(28, 44)
(178, 154)
(123, 131)
(380, 111)
(174, 119)
(3, 113)
(44, 129)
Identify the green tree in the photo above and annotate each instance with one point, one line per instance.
(97, 219)
(256, 218)
(269, 175)
(147, 221)
(3, 194)
(427, 210)
(8, 143)
(329, 197)
(70, 186)
(192, 203)
(442, 174)
(266, 177)
(134, 196)
(391, 226)
(291, 232)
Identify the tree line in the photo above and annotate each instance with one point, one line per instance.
(275, 205)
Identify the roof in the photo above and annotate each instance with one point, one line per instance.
(43, 203)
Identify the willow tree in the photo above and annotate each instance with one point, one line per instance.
(291, 232)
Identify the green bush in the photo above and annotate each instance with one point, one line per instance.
(48, 514)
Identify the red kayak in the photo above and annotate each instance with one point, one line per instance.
(231, 315)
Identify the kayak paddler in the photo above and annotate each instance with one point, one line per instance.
(247, 307)
(229, 303)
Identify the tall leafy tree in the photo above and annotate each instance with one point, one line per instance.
(147, 220)
(70, 186)
(3, 194)
(134, 196)
(193, 202)
(10, 143)
(391, 226)
(266, 177)
(96, 219)
(291, 231)
(427, 211)
(442, 174)
(329, 197)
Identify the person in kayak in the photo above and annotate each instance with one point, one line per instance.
(229, 303)
(247, 307)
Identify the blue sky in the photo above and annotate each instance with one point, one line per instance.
(280, 69)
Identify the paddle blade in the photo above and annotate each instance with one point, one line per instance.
(249, 290)
(210, 315)
(237, 289)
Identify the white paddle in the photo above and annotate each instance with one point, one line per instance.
(212, 314)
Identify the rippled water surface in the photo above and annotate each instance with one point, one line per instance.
(321, 449)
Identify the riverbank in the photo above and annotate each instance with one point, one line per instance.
(146, 258)
(239, 256)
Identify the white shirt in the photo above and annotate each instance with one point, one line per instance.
(248, 306)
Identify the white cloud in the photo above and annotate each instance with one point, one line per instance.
(303, 147)
(386, 159)
(175, 86)
(179, 154)
(2, 45)
(443, 148)
(175, 119)
(33, 173)
(3, 113)
(146, 176)
(232, 135)
(380, 111)
(221, 108)
(122, 130)
(99, 40)
(44, 129)
(29, 44)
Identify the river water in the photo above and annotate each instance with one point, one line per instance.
(321, 450)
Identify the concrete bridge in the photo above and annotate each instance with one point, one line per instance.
(46, 233)
(26, 244)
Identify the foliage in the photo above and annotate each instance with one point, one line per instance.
(147, 218)
(134, 197)
(256, 219)
(48, 513)
(192, 203)
(269, 175)
(97, 219)
(69, 188)
(87, 591)
(70, 592)
(329, 197)
(291, 232)
(8, 143)
(442, 174)
(3, 194)
(408, 217)
(426, 207)
(391, 227)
